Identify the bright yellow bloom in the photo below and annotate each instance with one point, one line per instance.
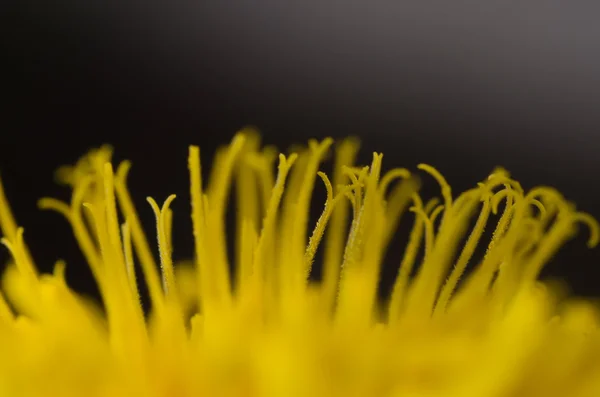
(266, 330)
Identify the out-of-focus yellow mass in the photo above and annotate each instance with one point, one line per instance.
(266, 330)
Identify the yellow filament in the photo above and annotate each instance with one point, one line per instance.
(248, 203)
(168, 225)
(429, 233)
(463, 259)
(112, 248)
(55, 205)
(397, 204)
(246, 256)
(357, 178)
(435, 213)
(263, 164)
(198, 218)
(366, 207)
(196, 198)
(592, 225)
(499, 244)
(507, 193)
(128, 254)
(289, 205)
(389, 177)
(429, 278)
(7, 221)
(140, 243)
(221, 180)
(354, 244)
(360, 272)
(80, 231)
(8, 225)
(112, 221)
(123, 309)
(295, 271)
(550, 195)
(98, 217)
(217, 202)
(315, 238)
(559, 232)
(266, 281)
(502, 225)
(406, 266)
(166, 261)
(17, 249)
(336, 232)
(267, 234)
(444, 186)
(540, 208)
(319, 230)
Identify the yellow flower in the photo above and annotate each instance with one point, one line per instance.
(266, 330)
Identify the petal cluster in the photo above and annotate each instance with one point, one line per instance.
(255, 324)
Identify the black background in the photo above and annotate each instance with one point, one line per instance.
(464, 87)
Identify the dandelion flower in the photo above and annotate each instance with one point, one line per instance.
(262, 327)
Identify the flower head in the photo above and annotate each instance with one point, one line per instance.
(261, 328)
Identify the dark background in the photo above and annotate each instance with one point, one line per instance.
(464, 87)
